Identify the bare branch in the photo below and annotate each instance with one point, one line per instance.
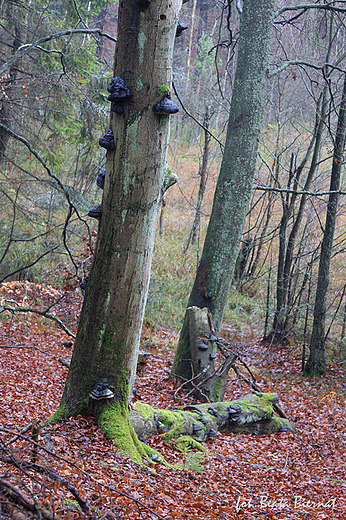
(196, 120)
(296, 192)
(27, 266)
(45, 314)
(305, 64)
(323, 7)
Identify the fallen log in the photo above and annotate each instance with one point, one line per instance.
(252, 413)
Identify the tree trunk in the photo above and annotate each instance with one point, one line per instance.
(14, 28)
(106, 346)
(233, 190)
(316, 363)
(203, 181)
(286, 248)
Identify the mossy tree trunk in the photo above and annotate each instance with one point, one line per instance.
(233, 190)
(317, 360)
(106, 346)
(249, 414)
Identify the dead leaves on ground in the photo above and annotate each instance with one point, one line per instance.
(280, 476)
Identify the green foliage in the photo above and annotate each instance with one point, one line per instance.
(164, 89)
(204, 63)
(193, 461)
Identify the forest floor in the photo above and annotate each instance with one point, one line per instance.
(277, 476)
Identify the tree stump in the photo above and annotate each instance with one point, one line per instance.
(208, 380)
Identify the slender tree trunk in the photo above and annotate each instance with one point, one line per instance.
(15, 28)
(316, 363)
(203, 181)
(106, 346)
(215, 271)
(286, 249)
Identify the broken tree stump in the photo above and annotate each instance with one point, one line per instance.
(209, 381)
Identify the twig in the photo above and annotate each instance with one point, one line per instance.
(300, 192)
(64, 362)
(19, 434)
(27, 266)
(35, 429)
(196, 120)
(85, 506)
(16, 494)
(24, 49)
(45, 314)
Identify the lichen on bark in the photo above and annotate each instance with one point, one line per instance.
(107, 341)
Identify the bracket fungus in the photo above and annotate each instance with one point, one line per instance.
(197, 427)
(166, 107)
(101, 391)
(234, 412)
(119, 92)
(212, 433)
(202, 346)
(84, 283)
(100, 181)
(107, 141)
(95, 212)
(180, 28)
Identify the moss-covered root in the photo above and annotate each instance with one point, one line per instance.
(114, 423)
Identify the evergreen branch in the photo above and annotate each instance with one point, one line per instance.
(72, 207)
(25, 49)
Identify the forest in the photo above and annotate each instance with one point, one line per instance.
(172, 279)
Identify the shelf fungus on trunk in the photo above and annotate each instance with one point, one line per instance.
(119, 93)
(84, 283)
(107, 141)
(101, 391)
(95, 212)
(100, 181)
(180, 28)
(166, 107)
(197, 427)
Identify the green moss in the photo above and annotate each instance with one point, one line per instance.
(185, 442)
(277, 421)
(114, 423)
(164, 89)
(144, 410)
(217, 389)
(59, 416)
(169, 418)
(175, 422)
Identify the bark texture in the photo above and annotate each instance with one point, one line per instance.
(106, 346)
(233, 190)
(249, 414)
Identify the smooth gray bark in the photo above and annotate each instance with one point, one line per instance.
(233, 190)
(316, 363)
(107, 341)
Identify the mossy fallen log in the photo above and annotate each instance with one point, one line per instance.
(251, 413)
